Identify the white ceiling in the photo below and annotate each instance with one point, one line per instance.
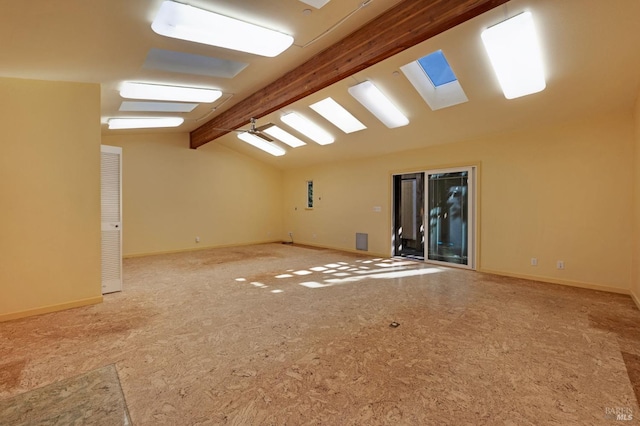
(591, 50)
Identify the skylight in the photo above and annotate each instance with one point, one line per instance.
(337, 115)
(185, 22)
(434, 79)
(307, 128)
(515, 54)
(437, 68)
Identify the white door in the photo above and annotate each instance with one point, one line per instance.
(111, 190)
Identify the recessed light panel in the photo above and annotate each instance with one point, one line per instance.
(157, 106)
(307, 128)
(181, 21)
(284, 136)
(337, 115)
(378, 104)
(187, 63)
(144, 123)
(515, 54)
(262, 144)
(158, 92)
(315, 3)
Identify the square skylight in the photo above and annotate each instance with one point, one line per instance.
(434, 79)
(437, 68)
(157, 106)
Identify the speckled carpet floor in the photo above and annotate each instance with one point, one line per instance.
(287, 335)
(94, 398)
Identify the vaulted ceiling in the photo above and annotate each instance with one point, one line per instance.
(591, 52)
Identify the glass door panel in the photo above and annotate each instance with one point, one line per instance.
(449, 214)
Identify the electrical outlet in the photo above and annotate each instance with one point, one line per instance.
(560, 264)
(534, 261)
(197, 239)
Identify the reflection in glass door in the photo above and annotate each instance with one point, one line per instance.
(450, 207)
(408, 214)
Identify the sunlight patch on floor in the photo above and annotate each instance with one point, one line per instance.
(344, 272)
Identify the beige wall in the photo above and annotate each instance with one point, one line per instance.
(636, 211)
(173, 194)
(554, 193)
(50, 195)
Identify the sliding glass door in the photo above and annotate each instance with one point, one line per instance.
(434, 216)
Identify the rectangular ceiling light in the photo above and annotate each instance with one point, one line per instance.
(515, 54)
(284, 136)
(307, 128)
(186, 22)
(378, 104)
(144, 123)
(159, 92)
(315, 3)
(262, 144)
(336, 114)
(157, 106)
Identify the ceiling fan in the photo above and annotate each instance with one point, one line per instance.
(253, 130)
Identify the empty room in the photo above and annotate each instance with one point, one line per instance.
(305, 212)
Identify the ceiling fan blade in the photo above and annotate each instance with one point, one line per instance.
(264, 126)
(232, 130)
(263, 136)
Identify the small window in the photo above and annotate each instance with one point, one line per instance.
(309, 194)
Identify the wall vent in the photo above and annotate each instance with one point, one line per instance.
(362, 241)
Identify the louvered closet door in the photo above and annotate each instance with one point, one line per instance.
(111, 188)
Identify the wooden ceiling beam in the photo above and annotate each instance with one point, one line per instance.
(408, 23)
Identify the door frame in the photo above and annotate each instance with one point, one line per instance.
(113, 284)
(472, 214)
